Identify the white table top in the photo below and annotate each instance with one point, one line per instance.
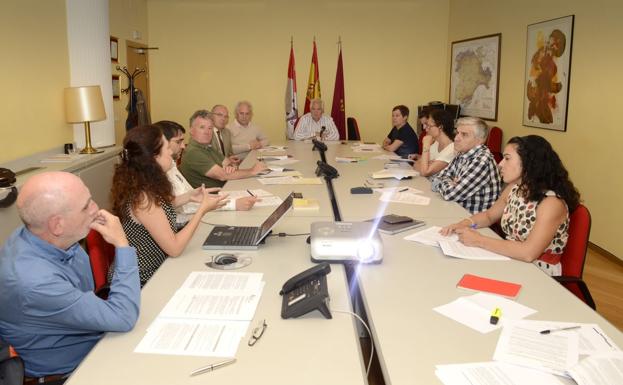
(398, 294)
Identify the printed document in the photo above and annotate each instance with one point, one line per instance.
(457, 249)
(599, 369)
(404, 197)
(496, 373)
(521, 343)
(431, 236)
(193, 337)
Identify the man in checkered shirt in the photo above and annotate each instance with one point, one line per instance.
(472, 179)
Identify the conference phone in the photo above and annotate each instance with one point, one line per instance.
(306, 292)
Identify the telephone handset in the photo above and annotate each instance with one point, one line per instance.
(305, 292)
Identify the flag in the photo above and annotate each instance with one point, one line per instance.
(292, 109)
(338, 110)
(313, 86)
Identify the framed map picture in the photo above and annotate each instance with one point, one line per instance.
(475, 75)
(548, 73)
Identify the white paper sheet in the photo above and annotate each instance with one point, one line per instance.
(431, 236)
(404, 197)
(475, 311)
(274, 174)
(397, 189)
(229, 281)
(495, 373)
(282, 162)
(387, 157)
(521, 343)
(348, 159)
(193, 337)
(289, 180)
(266, 198)
(396, 173)
(212, 305)
(600, 369)
(457, 249)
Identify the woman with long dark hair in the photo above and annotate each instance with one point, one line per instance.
(533, 209)
(142, 197)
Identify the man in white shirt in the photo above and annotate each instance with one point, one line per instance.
(312, 123)
(174, 133)
(245, 135)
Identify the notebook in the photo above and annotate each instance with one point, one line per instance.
(474, 282)
(245, 237)
(387, 226)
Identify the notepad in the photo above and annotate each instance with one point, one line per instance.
(305, 204)
(474, 282)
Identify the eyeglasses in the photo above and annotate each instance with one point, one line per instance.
(257, 333)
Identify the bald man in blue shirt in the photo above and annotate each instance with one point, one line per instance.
(50, 313)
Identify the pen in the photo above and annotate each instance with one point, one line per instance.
(212, 367)
(404, 189)
(250, 193)
(548, 331)
(496, 314)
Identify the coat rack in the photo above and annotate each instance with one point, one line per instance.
(132, 111)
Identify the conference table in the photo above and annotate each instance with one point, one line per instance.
(398, 295)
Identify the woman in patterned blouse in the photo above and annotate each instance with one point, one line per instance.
(533, 209)
(142, 197)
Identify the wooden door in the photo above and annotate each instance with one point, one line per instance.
(137, 57)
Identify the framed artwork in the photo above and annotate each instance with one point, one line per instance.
(548, 73)
(116, 87)
(475, 75)
(114, 49)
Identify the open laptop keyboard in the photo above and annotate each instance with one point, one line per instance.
(244, 236)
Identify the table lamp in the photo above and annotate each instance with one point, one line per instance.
(85, 105)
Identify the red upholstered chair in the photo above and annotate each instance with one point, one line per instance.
(574, 255)
(353, 129)
(494, 142)
(101, 255)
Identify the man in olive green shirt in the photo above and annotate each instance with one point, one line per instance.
(203, 164)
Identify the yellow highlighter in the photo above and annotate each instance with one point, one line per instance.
(495, 316)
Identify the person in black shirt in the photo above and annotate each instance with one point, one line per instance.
(402, 139)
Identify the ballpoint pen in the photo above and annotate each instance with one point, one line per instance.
(548, 331)
(404, 189)
(212, 367)
(250, 193)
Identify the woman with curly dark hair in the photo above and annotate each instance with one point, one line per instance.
(142, 197)
(533, 209)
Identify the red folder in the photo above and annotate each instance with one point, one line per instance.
(474, 282)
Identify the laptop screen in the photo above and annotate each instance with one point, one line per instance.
(275, 216)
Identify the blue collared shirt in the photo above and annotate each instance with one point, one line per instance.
(48, 310)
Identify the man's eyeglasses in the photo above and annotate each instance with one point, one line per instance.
(257, 333)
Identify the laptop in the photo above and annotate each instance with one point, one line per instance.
(245, 237)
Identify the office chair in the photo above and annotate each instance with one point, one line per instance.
(353, 129)
(101, 255)
(574, 255)
(11, 365)
(494, 142)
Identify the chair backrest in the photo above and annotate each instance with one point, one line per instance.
(494, 142)
(353, 129)
(420, 140)
(101, 255)
(574, 255)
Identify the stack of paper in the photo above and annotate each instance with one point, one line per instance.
(289, 180)
(404, 195)
(526, 356)
(431, 236)
(281, 162)
(207, 316)
(265, 198)
(397, 173)
(348, 159)
(387, 157)
(365, 147)
(282, 172)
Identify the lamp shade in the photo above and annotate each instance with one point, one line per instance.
(84, 104)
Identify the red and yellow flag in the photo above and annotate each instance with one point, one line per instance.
(313, 86)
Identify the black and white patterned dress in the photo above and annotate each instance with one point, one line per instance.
(150, 255)
(517, 221)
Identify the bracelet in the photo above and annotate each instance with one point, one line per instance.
(473, 224)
